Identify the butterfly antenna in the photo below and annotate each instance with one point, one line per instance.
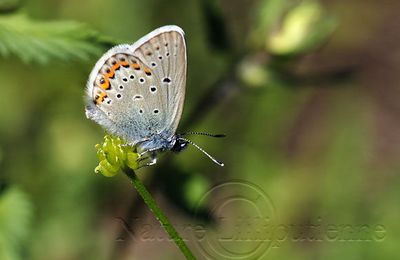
(201, 149)
(206, 134)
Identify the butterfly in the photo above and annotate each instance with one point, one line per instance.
(137, 92)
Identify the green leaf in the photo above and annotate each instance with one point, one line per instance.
(303, 28)
(42, 42)
(267, 14)
(9, 5)
(15, 218)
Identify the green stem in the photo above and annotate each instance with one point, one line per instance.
(151, 203)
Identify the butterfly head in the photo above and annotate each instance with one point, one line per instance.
(179, 145)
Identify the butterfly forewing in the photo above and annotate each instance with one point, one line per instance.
(165, 54)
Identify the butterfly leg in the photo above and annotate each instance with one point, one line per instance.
(147, 160)
(153, 159)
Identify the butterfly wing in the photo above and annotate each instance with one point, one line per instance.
(164, 51)
(137, 91)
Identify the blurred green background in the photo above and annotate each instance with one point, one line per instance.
(306, 91)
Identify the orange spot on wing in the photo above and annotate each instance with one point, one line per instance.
(147, 71)
(116, 66)
(100, 98)
(110, 74)
(136, 66)
(106, 83)
(124, 64)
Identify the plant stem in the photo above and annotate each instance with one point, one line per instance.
(165, 223)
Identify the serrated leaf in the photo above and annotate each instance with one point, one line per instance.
(42, 41)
